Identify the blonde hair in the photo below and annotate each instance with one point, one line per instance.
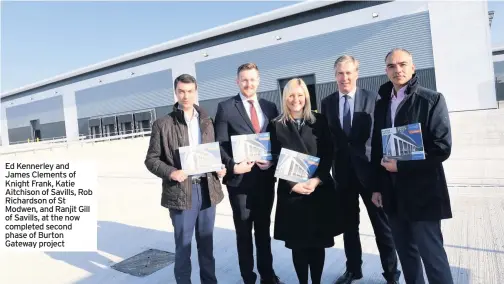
(289, 88)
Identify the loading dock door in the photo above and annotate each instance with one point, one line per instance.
(125, 123)
(95, 128)
(109, 126)
(143, 121)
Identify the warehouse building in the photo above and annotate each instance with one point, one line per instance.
(450, 42)
(498, 61)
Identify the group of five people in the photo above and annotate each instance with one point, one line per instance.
(405, 200)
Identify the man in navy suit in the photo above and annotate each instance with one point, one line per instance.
(250, 183)
(350, 113)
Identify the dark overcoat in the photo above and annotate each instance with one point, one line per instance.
(306, 220)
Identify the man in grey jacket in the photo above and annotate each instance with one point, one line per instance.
(190, 199)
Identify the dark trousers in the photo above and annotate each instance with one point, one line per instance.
(417, 242)
(305, 259)
(381, 228)
(253, 210)
(202, 218)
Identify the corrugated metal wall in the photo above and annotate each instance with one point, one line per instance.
(369, 43)
(138, 93)
(427, 78)
(272, 96)
(210, 106)
(47, 111)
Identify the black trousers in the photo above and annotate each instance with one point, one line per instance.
(417, 242)
(311, 259)
(252, 210)
(381, 228)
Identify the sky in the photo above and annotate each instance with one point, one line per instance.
(39, 40)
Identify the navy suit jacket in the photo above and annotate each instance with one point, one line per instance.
(353, 150)
(232, 119)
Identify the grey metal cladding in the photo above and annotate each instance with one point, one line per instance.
(47, 111)
(139, 93)
(47, 131)
(499, 79)
(426, 77)
(323, 90)
(369, 43)
(499, 68)
(272, 96)
(52, 130)
(164, 110)
(125, 118)
(94, 122)
(109, 120)
(499, 89)
(210, 106)
(84, 126)
(19, 134)
(147, 115)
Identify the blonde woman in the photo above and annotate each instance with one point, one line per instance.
(306, 217)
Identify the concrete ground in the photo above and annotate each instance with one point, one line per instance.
(131, 221)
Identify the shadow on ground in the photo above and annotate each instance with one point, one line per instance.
(125, 241)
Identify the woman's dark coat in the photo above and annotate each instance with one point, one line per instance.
(306, 220)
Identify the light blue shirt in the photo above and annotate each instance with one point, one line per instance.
(351, 100)
(396, 100)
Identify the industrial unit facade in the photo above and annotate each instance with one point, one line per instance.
(451, 49)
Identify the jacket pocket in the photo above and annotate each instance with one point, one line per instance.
(172, 190)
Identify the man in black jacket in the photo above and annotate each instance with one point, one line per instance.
(414, 193)
(350, 112)
(191, 200)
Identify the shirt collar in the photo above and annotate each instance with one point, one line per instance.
(195, 113)
(400, 93)
(350, 94)
(245, 99)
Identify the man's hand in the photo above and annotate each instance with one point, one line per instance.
(178, 175)
(264, 164)
(243, 167)
(222, 172)
(377, 199)
(301, 188)
(390, 165)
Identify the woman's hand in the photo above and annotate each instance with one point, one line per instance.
(312, 183)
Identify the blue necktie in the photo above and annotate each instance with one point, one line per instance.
(347, 116)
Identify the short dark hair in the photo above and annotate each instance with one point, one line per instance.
(246, 66)
(398, 49)
(185, 78)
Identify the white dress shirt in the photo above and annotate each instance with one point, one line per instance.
(351, 101)
(260, 114)
(193, 130)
